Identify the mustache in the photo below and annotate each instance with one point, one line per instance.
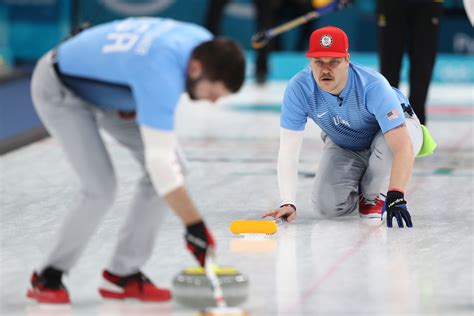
(326, 76)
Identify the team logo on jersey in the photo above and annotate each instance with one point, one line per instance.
(326, 41)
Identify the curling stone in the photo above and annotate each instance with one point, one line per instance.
(192, 288)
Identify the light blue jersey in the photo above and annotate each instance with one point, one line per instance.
(145, 59)
(366, 104)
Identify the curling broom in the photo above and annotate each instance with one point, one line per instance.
(260, 39)
(222, 309)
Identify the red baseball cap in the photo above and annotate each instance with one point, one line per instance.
(328, 41)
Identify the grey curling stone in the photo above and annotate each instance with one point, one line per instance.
(191, 287)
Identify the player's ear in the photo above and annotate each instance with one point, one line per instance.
(348, 58)
(194, 68)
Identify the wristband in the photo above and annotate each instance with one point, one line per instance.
(288, 204)
(396, 189)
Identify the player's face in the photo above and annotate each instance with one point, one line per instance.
(204, 89)
(201, 88)
(330, 73)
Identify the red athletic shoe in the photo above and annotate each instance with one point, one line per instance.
(370, 208)
(136, 286)
(48, 288)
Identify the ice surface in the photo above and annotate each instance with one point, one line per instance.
(311, 267)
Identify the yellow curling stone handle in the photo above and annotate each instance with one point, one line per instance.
(268, 227)
(217, 269)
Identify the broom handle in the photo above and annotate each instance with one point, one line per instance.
(214, 281)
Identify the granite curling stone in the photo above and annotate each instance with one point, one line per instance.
(192, 288)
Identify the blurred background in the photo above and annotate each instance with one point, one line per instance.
(29, 28)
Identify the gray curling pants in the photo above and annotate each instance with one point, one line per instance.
(344, 174)
(75, 124)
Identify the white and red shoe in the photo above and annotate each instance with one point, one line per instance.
(136, 286)
(47, 287)
(370, 208)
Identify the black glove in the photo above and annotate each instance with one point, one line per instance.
(396, 206)
(199, 240)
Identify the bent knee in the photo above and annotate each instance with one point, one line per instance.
(325, 208)
(328, 208)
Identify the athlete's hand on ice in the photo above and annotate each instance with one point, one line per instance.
(286, 211)
(396, 206)
(199, 241)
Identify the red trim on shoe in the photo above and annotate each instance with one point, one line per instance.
(46, 295)
(371, 210)
(49, 296)
(136, 286)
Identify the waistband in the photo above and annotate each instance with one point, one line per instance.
(55, 64)
(96, 92)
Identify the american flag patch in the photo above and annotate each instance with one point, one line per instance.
(393, 114)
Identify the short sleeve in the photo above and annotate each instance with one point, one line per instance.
(382, 101)
(293, 114)
(157, 88)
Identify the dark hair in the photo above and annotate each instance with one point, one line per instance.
(222, 60)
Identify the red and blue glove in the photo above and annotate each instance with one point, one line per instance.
(396, 206)
(199, 241)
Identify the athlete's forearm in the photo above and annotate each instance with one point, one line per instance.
(161, 161)
(399, 142)
(165, 172)
(288, 157)
(402, 168)
(287, 180)
(183, 206)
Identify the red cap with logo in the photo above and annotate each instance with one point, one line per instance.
(328, 41)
